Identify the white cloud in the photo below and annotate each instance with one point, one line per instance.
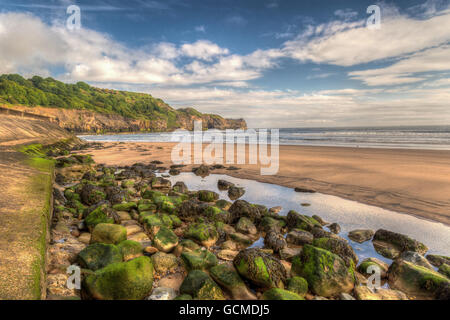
(200, 29)
(203, 49)
(346, 14)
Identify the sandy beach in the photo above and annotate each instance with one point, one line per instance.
(414, 182)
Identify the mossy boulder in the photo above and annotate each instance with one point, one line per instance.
(364, 266)
(165, 239)
(297, 285)
(92, 194)
(230, 280)
(241, 208)
(202, 233)
(235, 192)
(246, 226)
(327, 273)
(215, 214)
(185, 245)
(146, 207)
(128, 206)
(280, 294)
(437, 260)
(260, 268)
(164, 262)
(339, 247)
(223, 204)
(98, 255)
(445, 270)
(108, 233)
(299, 237)
(151, 221)
(180, 187)
(207, 196)
(401, 241)
(199, 259)
(271, 224)
(415, 280)
(241, 239)
(130, 249)
(199, 285)
(130, 280)
(296, 220)
(361, 235)
(99, 215)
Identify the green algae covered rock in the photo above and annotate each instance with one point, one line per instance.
(165, 239)
(214, 213)
(296, 220)
(130, 249)
(297, 285)
(98, 255)
(260, 268)
(108, 233)
(185, 245)
(199, 285)
(199, 259)
(401, 241)
(415, 280)
(339, 247)
(128, 206)
(327, 273)
(164, 262)
(246, 226)
(130, 280)
(207, 196)
(280, 294)
(202, 233)
(99, 215)
(230, 280)
(445, 270)
(364, 266)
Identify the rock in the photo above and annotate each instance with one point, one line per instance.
(365, 293)
(415, 280)
(402, 242)
(139, 237)
(246, 226)
(180, 187)
(200, 286)
(288, 253)
(345, 296)
(223, 204)
(165, 240)
(361, 235)
(163, 262)
(159, 183)
(230, 280)
(260, 268)
(202, 233)
(335, 228)
(108, 233)
(416, 259)
(115, 194)
(299, 237)
(99, 215)
(190, 209)
(91, 194)
(133, 229)
(280, 294)
(185, 245)
(59, 196)
(201, 171)
(437, 260)
(304, 190)
(207, 196)
(319, 220)
(235, 192)
(241, 238)
(130, 249)
(85, 237)
(364, 266)
(445, 270)
(326, 273)
(318, 232)
(128, 206)
(297, 221)
(443, 293)
(275, 241)
(297, 285)
(174, 172)
(124, 216)
(215, 214)
(229, 245)
(224, 185)
(98, 255)
(199, 259)
(162, 293)
(386, 249)
(130, 280)
(270, 224)
(227, 255)
(150, 250)
(241, 208)
(339, 247)
(60, 179)
(276, 210)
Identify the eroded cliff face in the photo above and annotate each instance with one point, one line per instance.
(85, 121)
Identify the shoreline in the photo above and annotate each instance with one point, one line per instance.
(414, 182)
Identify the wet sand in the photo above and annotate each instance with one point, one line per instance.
(414, 182)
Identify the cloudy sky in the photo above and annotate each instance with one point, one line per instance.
(277, 63)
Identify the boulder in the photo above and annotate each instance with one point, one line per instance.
(199, 285)
(402, 242)
(230, 280)
(416, 258)
(99, 215)
(227, 255)
(363, 268)
(280, 294)
(299, 237)
(235, 193)
(386, 249)
(445, 270)
(339, 247)
(327, 273)
(335, 228)
(296, 220)
(246, 226)
(215, 214)
(224, 185)
(415, 280)
(288, 253)
(271, 224)
(297, 285)
(202, 233)
(98, 255)
(180, 187)
(260, 268)
(92, 194)
(201, 171)
(437, 260)
(207, 196)
(130, 249)
(164, 262)
(185, 245)
(199, 259)
(241, 208)
(130, 280)
(108, 233)
(165, 239)
(241, 239)
(275, 241)
(361, 235)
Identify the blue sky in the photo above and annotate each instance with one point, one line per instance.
(276, 63)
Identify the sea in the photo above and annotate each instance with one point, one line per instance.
(405, 137)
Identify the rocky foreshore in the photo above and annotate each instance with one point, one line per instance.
(135, 235)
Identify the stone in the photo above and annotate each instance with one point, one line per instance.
(296, 220)
(230, 280)
(223, 204)
(297, 285)
(241, 239)
(241, 208)
(437, 260)
(327, 273)
(85, 237)
(276, 209)
(288, 253)
(139, 237)
(227, 255)
(207, 196)
(235, 193)
(92, 194)
(164, 262)
(162, 294)
(415, 280)
(275, 241)
(127, 207)
(150, 250)
(130, 249)
(299, 237)
(319, 219)
(416, 258)
(185, 245)
(224, 185)
(260, 268)
(402, 242)
(229, 245)
(365, 293)
(99, 215)
(133, 229)
(339, 247)
(246, 226)
(108, 233)
(202, 233)
(180, 187)
(280, 294)
(270, 224)
(216, 214)
(361, 235)
(165, 239)
(130, 280)
(364, 266)
(445, 270)
(98, 255)
(199, 259)
(335, 228)
(199, 285)
(386, 249)
(201, 171)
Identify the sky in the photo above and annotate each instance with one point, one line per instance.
(275, 63)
